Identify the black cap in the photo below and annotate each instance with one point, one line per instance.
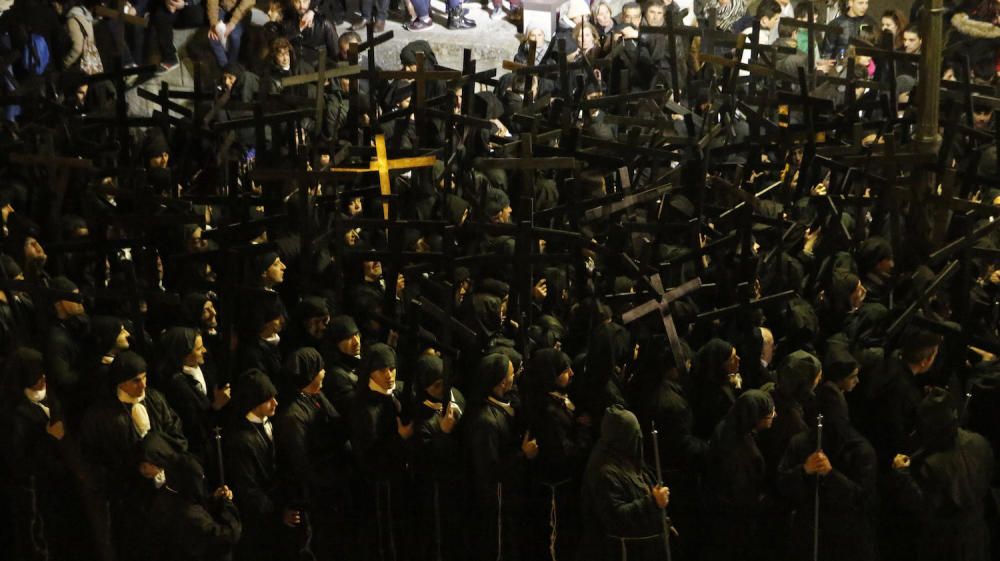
(252, 388)
(302, 366)
(341, 327)
(126, 366)
(377, 357)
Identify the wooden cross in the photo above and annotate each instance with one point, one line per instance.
(661, 304)
(320, 77)
(380, 164)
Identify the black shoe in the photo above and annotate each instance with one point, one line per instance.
(360, 25)
(419, 25)
(457, 21)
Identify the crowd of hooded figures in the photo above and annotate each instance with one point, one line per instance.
(199, 365)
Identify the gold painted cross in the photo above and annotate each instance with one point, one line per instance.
(381, 164)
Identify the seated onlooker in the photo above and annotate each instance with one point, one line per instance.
(894, 23)
(851, 21)
(308, 30)
(168, 14)
(225, 28)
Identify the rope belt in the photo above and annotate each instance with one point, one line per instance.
(623, 542)
(553, 516)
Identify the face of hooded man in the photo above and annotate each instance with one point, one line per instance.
(136, 387)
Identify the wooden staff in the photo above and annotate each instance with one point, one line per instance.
(218, 454)
(659, 481)
(819, 447)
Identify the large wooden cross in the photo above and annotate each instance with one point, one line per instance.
(661, 304)
(380, 164)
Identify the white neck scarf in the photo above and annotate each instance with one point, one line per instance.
(37, 397)
(196, 373)
(140, 417)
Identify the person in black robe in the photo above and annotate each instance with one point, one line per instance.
(37, 476)
(312, 456)
(380, 440)
(112, 433)
(609, 354)
(198, 311)
(622, 502)
(946, 484)
(715, 384)
(258, 348)
(196, 396)
(438, 463)
(310, 320)
(844, 469)
(248, 449)
(892, 412)
(17, 309)
(875, 266)
(341, 352)
(107, 339)
(564, 443)
(187, 525)
(498, 454)
(660, 397)
(734, 479)
(67, 332)
(798, 375)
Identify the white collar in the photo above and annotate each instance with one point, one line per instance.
(273, 339)
(503, 405)
(379, 389)
(126, 398)
(255, 419)
(199, 377)
(565, 401)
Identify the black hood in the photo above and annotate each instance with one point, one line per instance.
(608, 353)
(192, 306)
(545, 367)
(796, 375)
(104, 332)
(746, 412)
(302, 366)
(621, 437)
(709, 366)
(175, 344)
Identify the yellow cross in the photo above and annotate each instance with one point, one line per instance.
(383, 165)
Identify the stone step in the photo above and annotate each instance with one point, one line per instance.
(491, 42)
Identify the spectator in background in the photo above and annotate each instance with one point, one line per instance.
(82, 53)
(853, 16)
(225, 28)
(894, 23)
(165, 17)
